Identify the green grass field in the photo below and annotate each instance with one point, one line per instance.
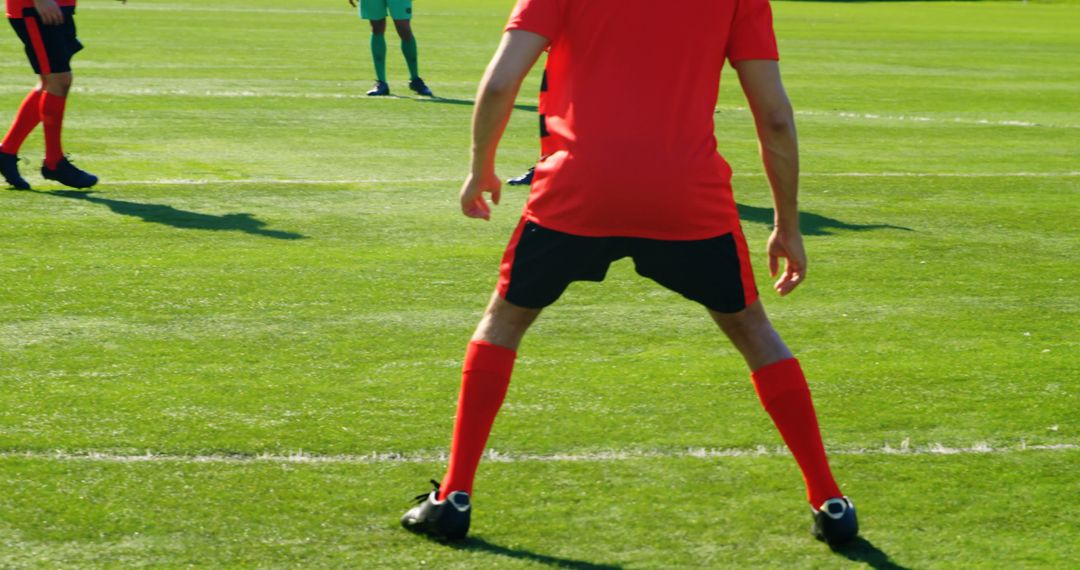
(243, 349)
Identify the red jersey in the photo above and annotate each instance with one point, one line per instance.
(15, 7)
(629, 112)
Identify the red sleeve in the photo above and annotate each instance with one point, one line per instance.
(752, 35)
(536, 16)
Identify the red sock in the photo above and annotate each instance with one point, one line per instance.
(484, 380)
(29, 116)
(781, 386)
(52, 118)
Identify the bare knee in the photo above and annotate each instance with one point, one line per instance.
(753, 335)
(58, 84)
(504, 324)
(404, 29)
(378, 27)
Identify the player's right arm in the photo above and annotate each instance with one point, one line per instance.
(775, 121)
(516, 55)
(49, 12)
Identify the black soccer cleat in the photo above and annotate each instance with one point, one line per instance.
(69, 175)
(524, 179)
(835, 522)
(380, 89)
(442, 520)
(9, 168)
(420, 87)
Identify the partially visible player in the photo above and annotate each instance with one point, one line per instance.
(636, 176)
(527, 178)
(47, 30)
(400, 11)
(524, 179)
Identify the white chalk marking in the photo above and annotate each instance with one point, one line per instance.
(913, 118)
(347, 181)
(276, 181)
(1069, 174)
(185, 8)
(345, 95)
(614, 455)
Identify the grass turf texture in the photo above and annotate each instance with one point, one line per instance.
(275, 262)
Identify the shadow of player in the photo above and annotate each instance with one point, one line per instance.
(474, 544)
(810, 223)
(177, 218)
(862, 550)
(469, 103)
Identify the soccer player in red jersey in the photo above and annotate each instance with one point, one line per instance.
(633, 171)
(47, 30)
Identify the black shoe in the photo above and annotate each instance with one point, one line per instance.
(380, 89)
(524, 179)
(68, 175)
(444, 520)
(835, 522)
(9, 167)
(420, 87)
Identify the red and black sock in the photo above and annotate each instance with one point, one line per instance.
(484, 380)
(782, 388)
(52, 119)
(28, 118)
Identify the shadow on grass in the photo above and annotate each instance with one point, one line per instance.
(473, 544)
(810, 223)
(184, 219)
(862, 550)
(468, 102)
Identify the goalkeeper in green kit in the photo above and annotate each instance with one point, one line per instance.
(400, 11)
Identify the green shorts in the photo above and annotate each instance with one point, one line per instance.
(377, 9)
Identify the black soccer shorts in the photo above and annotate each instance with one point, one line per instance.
(540, 263)
(49, 48)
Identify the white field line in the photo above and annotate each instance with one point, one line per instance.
(181, 8)
(303, 182)
(912, 118)
(917, 119)
(1068, 174)
(208, 93)
(256, 181)
(904, 449)
(255, 93)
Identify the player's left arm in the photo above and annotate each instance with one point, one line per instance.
(516, 55)
(775, 121)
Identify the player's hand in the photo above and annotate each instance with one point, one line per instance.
(473, 204)
(352, 3)
(49, 12)
(788, 245)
